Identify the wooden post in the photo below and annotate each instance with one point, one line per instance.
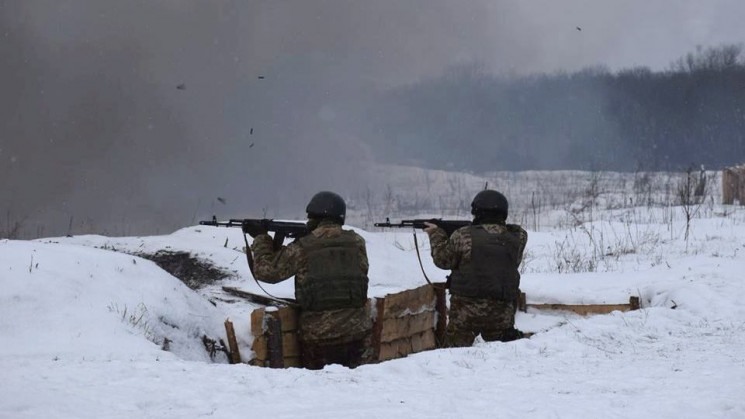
(727, 187)
(274, 340)
(522, 303)
(235, 354)
(442, 314)
(635, 302)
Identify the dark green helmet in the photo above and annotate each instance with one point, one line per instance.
(327, 205)
(489, 201)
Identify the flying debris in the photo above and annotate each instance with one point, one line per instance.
(261, 77)
(221, 200)
(579, 29)
(181, 86)
(251, 132)
(251, 146)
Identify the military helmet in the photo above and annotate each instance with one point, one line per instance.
(489, 201)
(326, 204)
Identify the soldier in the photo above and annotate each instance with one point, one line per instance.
(330, 268)
(484, 284)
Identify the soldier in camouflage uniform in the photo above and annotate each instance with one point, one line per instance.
(484, 284)
(330, 268)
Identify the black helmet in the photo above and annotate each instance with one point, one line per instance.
(488, 201)
(327, 204)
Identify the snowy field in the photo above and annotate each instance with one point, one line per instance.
(84, 323)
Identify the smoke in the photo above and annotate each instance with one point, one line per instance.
(127, 117)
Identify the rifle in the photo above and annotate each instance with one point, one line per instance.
(448, 225)
(281, 229)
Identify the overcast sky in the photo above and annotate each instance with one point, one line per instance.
(150, 109)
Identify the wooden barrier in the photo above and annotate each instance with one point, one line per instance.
(404, 323)
(582, 309)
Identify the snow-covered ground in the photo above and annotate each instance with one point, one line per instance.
(84, 322)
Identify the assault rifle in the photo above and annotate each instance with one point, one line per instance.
(281, 229)
(448, 225)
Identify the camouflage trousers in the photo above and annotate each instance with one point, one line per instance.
(469, 317)
(349, 353)
(335, 337)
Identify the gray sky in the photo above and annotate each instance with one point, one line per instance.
(95, 128)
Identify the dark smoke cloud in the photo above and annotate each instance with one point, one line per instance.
(134, 116)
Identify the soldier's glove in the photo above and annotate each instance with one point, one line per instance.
(254, 228)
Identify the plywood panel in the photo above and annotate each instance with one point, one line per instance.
(410, 301)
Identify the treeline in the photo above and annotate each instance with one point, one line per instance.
(691, 114)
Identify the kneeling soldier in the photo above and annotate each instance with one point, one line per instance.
(484, 283)
(330, 268)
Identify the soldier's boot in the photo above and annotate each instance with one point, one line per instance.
(503, 335)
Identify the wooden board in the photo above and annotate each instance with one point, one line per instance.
(290, 344)
(235, 354)
(396, 349)
(292, 362)
(257, 322)
(260, 348)
(583, 310)
(289, 317)
(409, 301)
(258, 299)
(397, 328)
(423, 341)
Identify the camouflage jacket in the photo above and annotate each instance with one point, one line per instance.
(456, 251)
(272, 266)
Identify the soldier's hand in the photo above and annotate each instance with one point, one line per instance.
(253, 228)
(431, 227)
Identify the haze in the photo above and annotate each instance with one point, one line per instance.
(134, 117)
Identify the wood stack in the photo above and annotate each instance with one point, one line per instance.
(408, 322)
(275, 337)
(733, 185)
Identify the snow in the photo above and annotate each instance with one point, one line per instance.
(69, 351)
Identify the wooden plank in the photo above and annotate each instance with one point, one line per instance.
(288, 316)
(441, 308)
(522, 303)
(634, 303)
(274, 340)
(423, 341)
(258, 299)
(397, 328)
(583, 310)
(396, 349)
(728, 197)
(410, 300)
(260, 348)
(387, 351)
(257, 322)
(235, 354)
(292, 362)
(290, 344)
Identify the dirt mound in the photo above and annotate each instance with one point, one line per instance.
(193, 272)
